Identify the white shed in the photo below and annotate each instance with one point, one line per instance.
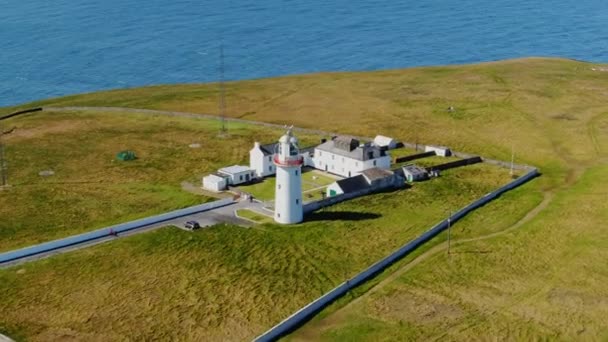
(385, 142)
(237, 174)
(214, 183)
(441, 151)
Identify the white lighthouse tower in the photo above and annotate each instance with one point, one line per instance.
(288, 190)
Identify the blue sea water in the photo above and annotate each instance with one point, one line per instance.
(59, 47)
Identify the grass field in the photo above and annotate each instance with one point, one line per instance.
(90, 188)
(223, 283)
(528, 266)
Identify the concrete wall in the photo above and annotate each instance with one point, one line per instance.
(104, 232)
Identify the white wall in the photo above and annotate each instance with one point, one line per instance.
(288, 195)
(439, 150)
(240, 177)
(214, 184)
(347, 167)
(261, 164)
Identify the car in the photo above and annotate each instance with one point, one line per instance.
(192, 225)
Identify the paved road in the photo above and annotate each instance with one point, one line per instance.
(225, 214)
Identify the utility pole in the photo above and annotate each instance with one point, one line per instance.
(222, 102)
(512, 159)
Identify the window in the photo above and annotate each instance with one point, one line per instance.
(278, 186)
(296, 172)
(297, 201)
(269, 158)
(370, 155)
(270, 168)
(278, 215)
(241, 177)
(374, 163)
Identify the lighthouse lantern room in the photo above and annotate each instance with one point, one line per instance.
(288, 190)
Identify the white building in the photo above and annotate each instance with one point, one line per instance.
(288, 189)
(237, 174)
(346, 157)
(439, 150)
(215, 183)
(415, 173)
(385, 142)
(260, 158)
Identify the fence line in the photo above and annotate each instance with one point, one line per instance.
(108, 231)
(307, 312)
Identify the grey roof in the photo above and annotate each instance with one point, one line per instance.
(230, 170)
(268, 149)
(414, 170)
(338, 146)
(345, 143)
(376, 173)
(353, 184)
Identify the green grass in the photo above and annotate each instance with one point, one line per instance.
(225, 283)
(310, 180)
(90, 188)
(542, 280)
(253, 216)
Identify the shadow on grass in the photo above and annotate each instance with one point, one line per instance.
(340, 216)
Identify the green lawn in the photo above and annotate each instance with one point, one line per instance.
(310, 180)
(543, 279)
(254, 216)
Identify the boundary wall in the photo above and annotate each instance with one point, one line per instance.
(307, 312)
(108, 231)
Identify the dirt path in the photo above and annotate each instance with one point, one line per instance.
(313, 331)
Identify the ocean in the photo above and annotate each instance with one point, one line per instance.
(62, 47)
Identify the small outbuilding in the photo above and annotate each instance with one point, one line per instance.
(441, 151)
(214, 182)
(237, 174)
(347, 185)
(385, 142)
(415, 173)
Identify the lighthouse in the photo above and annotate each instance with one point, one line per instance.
(288, 189)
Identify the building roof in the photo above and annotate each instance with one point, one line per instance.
(341, 146)
(382, 140)
(214, 177)
(345, 143)
(376, 173)
(230, 170)
(353, 184)
(414, 170)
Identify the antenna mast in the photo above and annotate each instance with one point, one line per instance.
(222, 102)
